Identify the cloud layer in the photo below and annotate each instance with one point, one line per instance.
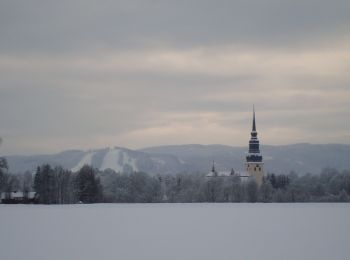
(87, 74)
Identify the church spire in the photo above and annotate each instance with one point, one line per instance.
(254, 158)
(254, 125)
(254, 142)
(213, 168)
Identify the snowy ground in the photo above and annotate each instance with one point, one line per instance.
(175, 231)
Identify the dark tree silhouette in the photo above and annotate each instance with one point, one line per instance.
(88, 186)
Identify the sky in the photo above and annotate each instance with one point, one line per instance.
(83, 74)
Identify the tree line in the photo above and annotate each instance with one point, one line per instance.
(55, 185)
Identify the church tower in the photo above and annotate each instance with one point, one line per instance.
(254, 164)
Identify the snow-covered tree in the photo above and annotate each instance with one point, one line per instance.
(252, 191)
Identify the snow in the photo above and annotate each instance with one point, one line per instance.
(87, 159)
(300, 162)
(115, 159)
(175, 231)
(158, 160)
(182, 161)
(228, 174)
(17, 194)
(110, 161)
(130, 161)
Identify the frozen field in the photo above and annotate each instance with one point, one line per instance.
(175, 231)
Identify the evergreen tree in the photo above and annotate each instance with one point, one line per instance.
(265, 191)
(88, 187)
(3, 172)
(252, 191)
(46, 184)
(343, 196)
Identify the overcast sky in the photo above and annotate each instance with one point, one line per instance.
(91, 74)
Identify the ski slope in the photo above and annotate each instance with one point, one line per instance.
(114, 159)
(86, 160)
(111, 161)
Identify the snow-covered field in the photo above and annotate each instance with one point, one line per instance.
(175, 231)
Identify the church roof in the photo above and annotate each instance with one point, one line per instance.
(17, 194)
(227, 174)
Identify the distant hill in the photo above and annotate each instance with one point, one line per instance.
(117, 158)
(301, 158)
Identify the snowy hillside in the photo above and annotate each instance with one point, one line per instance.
(86, 160)
(117, 159)
(301, 158)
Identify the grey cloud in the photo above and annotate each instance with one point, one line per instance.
(85, 74)
(78, 25)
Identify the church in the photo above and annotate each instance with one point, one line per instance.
(254, 161)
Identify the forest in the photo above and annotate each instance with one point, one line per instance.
(55, 185)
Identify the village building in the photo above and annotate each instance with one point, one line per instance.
(15, 197)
